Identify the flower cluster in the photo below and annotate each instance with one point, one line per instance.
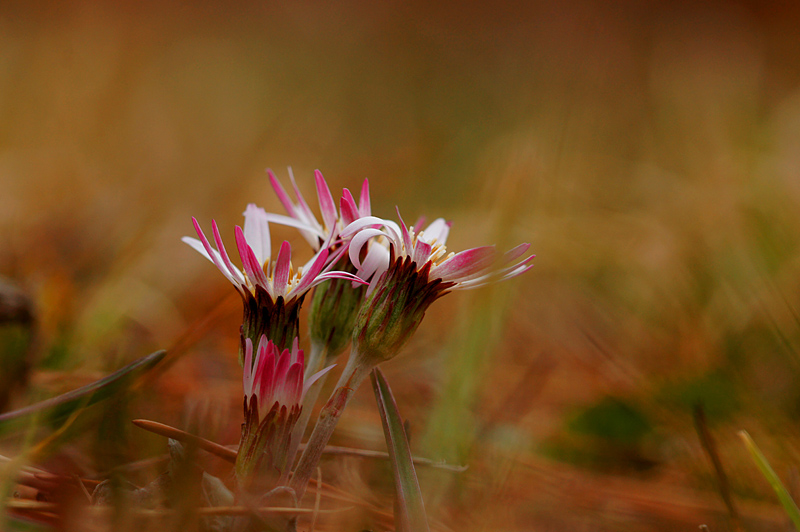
(374, 279)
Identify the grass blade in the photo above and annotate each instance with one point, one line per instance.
(769, 473)
(62, 406)
(410, 509)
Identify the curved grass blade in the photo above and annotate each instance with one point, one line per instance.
(783, 495)
(409, 507)
(62, 406)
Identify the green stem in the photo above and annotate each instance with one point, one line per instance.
(316, 362)
(353, 375)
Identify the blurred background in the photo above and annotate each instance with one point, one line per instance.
(649, 152)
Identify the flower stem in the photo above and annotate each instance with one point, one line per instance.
(353, 375)
(316, 362)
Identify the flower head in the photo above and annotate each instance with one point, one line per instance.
(467, 269)
(419, 271)
(273, 394)
(273, 379)
(272, 290)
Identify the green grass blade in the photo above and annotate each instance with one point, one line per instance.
(60, 407)
(766, 470)
(409, 508)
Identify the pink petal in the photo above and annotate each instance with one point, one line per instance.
(334, 257)
(364, 206)
(337, 275)
(297, 353)
(251, 265)
(422, 252)
(292, 386)
(517, 269)
(406, 236)
(476, 281)
(326, 205)
(514, 253)
(283, 362)
(283, 197)
(265, 372)
(282, 266)
(465, 263)
(348, 208)
(308, 276)
(212, 254)
(198, 246)
(224, 254)
(301, 202)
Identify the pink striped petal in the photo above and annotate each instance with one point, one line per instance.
(334, 257)
(292, 386)
(283, 361)
(326, 205)
(224, 254)
(422, 252)
(198, 246)
(348, 208)
(516, 252)
(303, 210)
(211, 254)
(251, 265)
(264, 381)
(477, 280)
(283, 197)
(465, 263)
(282, 266)
(313, 271)
(516, 269)
(407, 245)
(364, 206)
(337, 275)
(297, 353)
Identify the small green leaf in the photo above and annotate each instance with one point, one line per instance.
(769, 473)
(60, 407)
(410, 509)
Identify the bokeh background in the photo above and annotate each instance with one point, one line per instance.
(649, 151)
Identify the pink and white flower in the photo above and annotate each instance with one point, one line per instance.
(277, 278)
(467, 269)
(273, 397)
(273, 379)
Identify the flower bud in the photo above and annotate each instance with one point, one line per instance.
(394, 310)
(334, 308)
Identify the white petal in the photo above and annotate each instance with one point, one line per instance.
(256, 232)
